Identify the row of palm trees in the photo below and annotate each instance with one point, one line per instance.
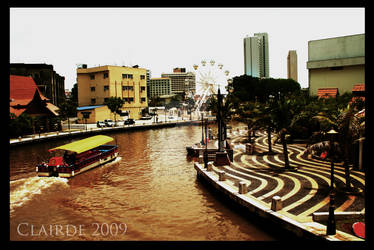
(300, 116)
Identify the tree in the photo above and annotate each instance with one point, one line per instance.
(175, 101)
(349, 127)
(155, 101)
(281, 115)
(21, 125)
(190, 105)
(249, 113)
(115, 105)
(248, 88)
(67, 109)
(74, 94)
(226, 109)
(265, 121)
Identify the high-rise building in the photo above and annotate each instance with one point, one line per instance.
(292, 65)
(251, 57)
(148, 80)
(181, 81)
(256, 55)
(159, 86)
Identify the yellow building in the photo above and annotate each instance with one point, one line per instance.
(97, 84)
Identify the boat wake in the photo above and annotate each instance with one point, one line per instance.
(118, 159)
(25, 189)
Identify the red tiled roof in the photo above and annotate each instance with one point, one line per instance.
(357, 98)
(358, 87)
(22, 88)
(17, 112)
(22, 91)
(327, 92)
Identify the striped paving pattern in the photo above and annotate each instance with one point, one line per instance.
(304, 190)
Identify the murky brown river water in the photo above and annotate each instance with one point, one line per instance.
(150, 193)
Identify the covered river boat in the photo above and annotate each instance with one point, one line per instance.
(79, 156)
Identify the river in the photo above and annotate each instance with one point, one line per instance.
(150, 192)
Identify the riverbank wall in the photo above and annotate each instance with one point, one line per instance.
(35, 138)
(306, 230)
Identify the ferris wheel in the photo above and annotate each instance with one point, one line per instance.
(209, 78)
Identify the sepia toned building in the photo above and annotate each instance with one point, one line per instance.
(336, 64)
(49, 83)
(97, 84)
(256, 55)
(159, 86)
(181, 81)
(292, 65)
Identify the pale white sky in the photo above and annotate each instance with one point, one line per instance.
(161, 39)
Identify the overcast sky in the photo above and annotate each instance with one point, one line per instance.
(160, 39)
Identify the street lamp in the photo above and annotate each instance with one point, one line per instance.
(220, 121)
(331, 223)
(206, 145)
(202, 129)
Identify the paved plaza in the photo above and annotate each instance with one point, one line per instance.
(304, 190)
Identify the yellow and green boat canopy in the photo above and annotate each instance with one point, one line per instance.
(85, 144)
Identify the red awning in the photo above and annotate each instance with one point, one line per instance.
(327, 92)
(358, 87)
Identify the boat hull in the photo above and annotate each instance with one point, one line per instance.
(97, 157)
(93, 165)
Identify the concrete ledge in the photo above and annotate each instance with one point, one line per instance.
(322, 216)
(312, 230)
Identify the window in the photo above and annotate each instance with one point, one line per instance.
(106, 99)
(125, 99)
(92, 89)
(337, 68)
(106, 87)
(128, 88)
(142, 77)
(105, 75)
(92, 77)
(124, 76)
(142, 88)
(130, 76)
(142, 99)
(131, 99)
(93, 100)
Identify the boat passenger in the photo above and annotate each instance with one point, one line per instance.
(69, 157)
(210, 134)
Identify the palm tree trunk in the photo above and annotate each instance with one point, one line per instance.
(269, 140)
(346, 168)
(285, 152)
(249, 134)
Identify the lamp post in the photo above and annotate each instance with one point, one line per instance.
(206, 145)
(220, 123)
(202, 129)
(331, 223)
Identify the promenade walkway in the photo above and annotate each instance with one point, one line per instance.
(303, 190)
(92, 129)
